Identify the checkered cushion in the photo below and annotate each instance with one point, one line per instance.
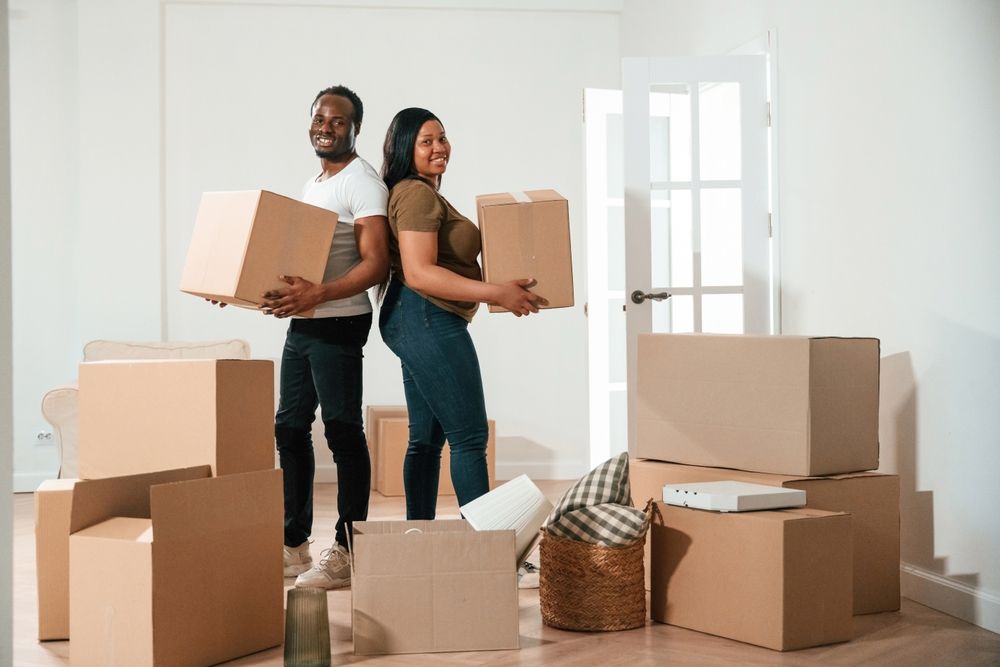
(608, 525)
(598, 508)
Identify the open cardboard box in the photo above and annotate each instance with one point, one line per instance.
(175, 568)
(432, 586)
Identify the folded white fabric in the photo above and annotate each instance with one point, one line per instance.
(598, 508)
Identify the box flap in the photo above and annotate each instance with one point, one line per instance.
(56, 485)
(217, 551)
(182, 509)
(404, 527)
(95, 500)
(121, 528)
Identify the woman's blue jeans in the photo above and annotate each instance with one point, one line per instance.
(444, 398)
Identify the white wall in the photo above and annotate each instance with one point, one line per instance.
(45, 139)
(889, 163)
(147, 104)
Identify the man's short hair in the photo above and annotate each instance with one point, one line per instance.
(343, 91)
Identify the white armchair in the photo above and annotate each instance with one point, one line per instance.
(61, 405)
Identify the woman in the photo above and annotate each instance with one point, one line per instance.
(435, 289)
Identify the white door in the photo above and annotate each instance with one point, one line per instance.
(696, 223)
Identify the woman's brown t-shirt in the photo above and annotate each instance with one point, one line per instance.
(415, 206)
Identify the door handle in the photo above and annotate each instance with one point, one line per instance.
(639, 296)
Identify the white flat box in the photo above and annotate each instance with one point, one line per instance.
(732, 496)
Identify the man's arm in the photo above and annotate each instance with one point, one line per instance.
(372, 236)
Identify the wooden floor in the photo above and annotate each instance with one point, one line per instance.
(916, 635)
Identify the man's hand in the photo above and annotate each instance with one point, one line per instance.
(220, 304)
(300, 296)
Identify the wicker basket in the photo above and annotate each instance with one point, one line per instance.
(588, 587)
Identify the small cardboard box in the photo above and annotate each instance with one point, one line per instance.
(374, 413)
(243, 240)
(393, 439)
(871, 498)
(175, 568)
(433, 586)
(53, 503)
(779, 579)
(526, 235)
(146, 415)
(791, 405)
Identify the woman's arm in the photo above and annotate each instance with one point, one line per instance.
(418, 252)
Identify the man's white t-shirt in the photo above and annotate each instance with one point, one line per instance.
(355, 192)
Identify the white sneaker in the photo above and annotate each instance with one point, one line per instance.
(333, 570)
(297, 559)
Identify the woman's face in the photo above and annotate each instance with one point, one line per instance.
(431, 152)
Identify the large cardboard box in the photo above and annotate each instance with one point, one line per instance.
(53, 503)
(175, 568)
(871, 498)
(778, 579)
(526, 235)
(373, 414)
(393, 439)
(779, 404)
(243, 240)
(147, 415)
(433, 586)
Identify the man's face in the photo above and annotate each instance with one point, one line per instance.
(332, 130)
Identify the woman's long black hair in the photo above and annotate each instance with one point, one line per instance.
(400, 139)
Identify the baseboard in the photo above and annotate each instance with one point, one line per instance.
(327, 474)
(27, 482)
(951, 597)
(541, 470)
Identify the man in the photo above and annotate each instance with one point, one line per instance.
(321, 361)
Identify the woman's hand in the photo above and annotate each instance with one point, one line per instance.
(300, 296)
(515, 297)
(220, 304)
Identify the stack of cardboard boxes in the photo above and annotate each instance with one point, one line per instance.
(168, 551)
(387, 432)
(787, 411)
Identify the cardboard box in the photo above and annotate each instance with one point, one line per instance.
(242, 241)
(779, 404)
(871, 498)
(53, 502)
(393, 439)
(433, 586)
(779, 579)
(176, 568)
(146, 415)
(526, 235)
(373, 413)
